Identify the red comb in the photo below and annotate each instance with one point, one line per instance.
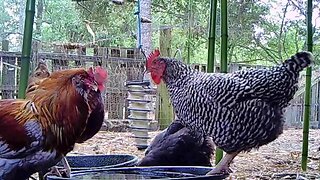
(152, 56)
(102, 72)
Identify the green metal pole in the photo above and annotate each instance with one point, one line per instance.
(189, 31)
(307, 97)
(224, 52)
(26, 48)
(224, 36)
(212, 36)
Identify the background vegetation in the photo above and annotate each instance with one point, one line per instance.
(260, 32)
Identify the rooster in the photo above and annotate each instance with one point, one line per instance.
(97, 114)
(37, 132)
(240, 110)
(95, 119)
(178, 146)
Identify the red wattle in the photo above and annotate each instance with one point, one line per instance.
(156, 79)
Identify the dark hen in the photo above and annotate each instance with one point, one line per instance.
(178, 146)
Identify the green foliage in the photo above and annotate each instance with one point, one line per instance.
(256, 33)
(62, 23)
(114, 24)
(8, 24)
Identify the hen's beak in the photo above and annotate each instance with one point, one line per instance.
(145, 72)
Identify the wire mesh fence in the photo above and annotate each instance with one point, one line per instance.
(123, 65)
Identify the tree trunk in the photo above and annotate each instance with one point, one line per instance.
(40, 7)
(146, 27)
(22, 8)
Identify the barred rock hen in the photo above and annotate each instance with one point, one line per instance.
(240, 111)
(178, 146)
(36, 133)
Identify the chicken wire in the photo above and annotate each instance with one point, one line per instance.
(9, 74)
(126, 64)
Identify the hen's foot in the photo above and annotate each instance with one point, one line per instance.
(220, 170)
(223, 166)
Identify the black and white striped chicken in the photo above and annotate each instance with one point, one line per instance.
(240, 110)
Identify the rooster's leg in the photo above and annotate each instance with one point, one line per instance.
(53, 171)
(223, 166)
(65, 172)
(66, 166)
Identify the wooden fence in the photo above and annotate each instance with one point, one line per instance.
(125, 64)
(122, 64)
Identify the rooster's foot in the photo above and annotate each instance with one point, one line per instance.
(55, 171)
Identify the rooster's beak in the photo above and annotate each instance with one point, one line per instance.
(94, 87)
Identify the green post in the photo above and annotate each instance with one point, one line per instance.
(189, 31)
(212, 36)
(26, 48)
(224, 52)
(307, 97)
(224, 36)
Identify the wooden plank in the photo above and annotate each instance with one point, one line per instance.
(8, 77)
(5, 45)
(8, 73)
(318, 103)
(61, 63)
(80, 51)
(165, 111)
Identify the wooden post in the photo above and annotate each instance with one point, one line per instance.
(5, 45)
(59, 64)
(8, 73)
(80, 51)
(102, 56)
(318, 102)
(165, 111)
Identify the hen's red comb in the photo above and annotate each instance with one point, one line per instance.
(152, 56)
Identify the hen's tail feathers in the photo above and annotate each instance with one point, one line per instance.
(300, 60)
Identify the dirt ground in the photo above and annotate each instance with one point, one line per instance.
(277, 160)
